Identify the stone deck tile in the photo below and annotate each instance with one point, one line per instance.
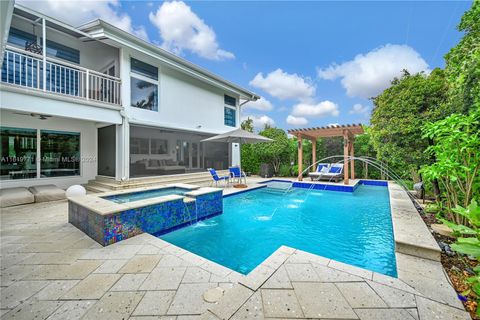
(170, 260)
(305, 257)
(383, 314)
(360, 295)
(111, 266)
(196, 275)
(33, 309)
(78, 270)
(279, 280)
(114, 306)
(19, 292)
(252, 309)
(189, 299)
(16, 273)
(301, 272)
(11, 259)
(280, 304)
(395, 298)
(164, 278)
(92, 287)
(129, 282)
(359, 272)
(68, 256)
(326, 274)
(72, 310)
(141, 264)
(257, 277)
(154, 303)
(232, 300)
(113, 251)
(428, 309)
(55, 289)
(322, 300)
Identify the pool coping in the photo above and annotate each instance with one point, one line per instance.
(104, 207)
(410, 232)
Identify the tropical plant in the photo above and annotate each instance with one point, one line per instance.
(468, 241)
(456, 148)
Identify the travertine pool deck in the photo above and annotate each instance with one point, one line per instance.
(50, 269)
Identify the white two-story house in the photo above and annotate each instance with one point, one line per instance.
(94, 100)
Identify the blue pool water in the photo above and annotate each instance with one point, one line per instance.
(141, 195)
(354, 228)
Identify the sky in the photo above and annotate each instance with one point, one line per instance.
(313, 63)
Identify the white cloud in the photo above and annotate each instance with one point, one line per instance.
(76, 13)
(284, 85)
(321, 109)
(296, 121)
(333, 124)
(181, 29)
(359, 109)
(369, 74)
(259, 121)
(261, 104)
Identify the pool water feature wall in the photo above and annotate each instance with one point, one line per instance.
(110, 222)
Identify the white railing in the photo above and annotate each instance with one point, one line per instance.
(25, 69)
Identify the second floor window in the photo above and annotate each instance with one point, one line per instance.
(230, 111)
(143, 85)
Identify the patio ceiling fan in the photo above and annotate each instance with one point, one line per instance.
(35, 115)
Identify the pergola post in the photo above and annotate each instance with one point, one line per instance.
(346, 149)
(314, 154)
(352, 161)
(300, 158)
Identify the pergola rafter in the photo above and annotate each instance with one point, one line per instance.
(348, 133)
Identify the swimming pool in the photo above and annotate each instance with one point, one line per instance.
(351, 227)
(141, 195)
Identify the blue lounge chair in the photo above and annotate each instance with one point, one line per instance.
(216, 178)
(237, 174)
(335, 172)
(321, 168)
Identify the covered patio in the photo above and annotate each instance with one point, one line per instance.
(348, 133)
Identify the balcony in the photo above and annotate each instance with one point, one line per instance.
(28, 70)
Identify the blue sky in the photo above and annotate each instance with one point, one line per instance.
(314, 63)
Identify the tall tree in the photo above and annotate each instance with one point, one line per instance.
(463, 63)
(274, 152)
(398, 116)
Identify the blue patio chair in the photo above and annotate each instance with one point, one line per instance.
(216, 178)
(237, 174)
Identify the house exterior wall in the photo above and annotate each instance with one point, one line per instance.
(88, 147)
(93, 54)
(184, 102)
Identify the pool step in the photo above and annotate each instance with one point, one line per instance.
(105, 184)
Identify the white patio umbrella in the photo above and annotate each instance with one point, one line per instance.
(239, 136)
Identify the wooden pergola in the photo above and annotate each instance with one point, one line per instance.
(348, 133)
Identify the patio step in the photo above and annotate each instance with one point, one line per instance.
(96, 189)
(105, 184)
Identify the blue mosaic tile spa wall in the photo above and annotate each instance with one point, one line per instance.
(158, 218)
